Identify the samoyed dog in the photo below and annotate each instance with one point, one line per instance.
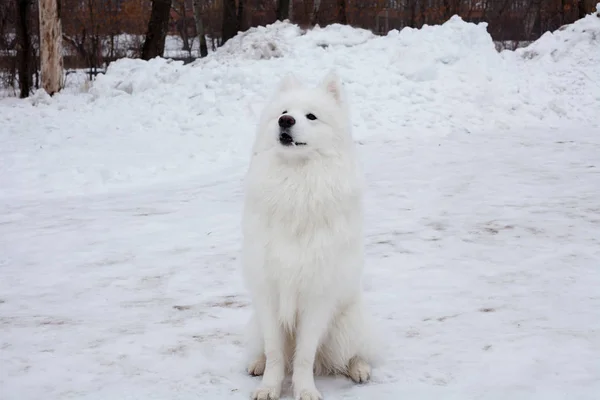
(303, 243)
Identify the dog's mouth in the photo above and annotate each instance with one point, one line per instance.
(295, 144)
(287, 140)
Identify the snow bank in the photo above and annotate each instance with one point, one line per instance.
(135, 75)
(564, 66)
(336, 35)
(456, 44)
(284, 39)
(578, 42)
(262, 42)
(448, 76)
(147, 121)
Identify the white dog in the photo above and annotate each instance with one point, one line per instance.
(303, 243)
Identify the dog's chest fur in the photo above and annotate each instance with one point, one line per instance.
(306, 226)
(301, 202)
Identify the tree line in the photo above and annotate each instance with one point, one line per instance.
(96, 32)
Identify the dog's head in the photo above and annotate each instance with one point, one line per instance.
(302, 122)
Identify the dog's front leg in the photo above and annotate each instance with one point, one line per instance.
(274, 342)
(312, 327)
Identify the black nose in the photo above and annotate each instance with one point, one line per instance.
(286, 121)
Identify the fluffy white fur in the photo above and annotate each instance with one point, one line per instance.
(303, 245)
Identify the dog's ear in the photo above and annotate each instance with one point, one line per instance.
(332, 84)
(288, 82)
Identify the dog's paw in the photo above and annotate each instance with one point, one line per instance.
(257, 367)
(359, 371)
(308, 394)
(266, 393)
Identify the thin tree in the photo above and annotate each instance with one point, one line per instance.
(241, 14)
(342, 10)
(581, 11)
(562, 11)
(182, 24)
(230, 21)
(314, 18)
(200, 28)
(154, 45)
(24, 60)
(93, 55)
(283, 9)
(449, 8)
(413, 6)
(51, 60)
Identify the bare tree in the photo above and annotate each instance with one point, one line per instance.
(154, 45)
(450, 8)
(581, 11)
(180, 7)
(241, 14)
(24, 47)
(529, 16)
(200, 28)
(283, 9)
(343, 18)
(230, 21)
(412, 6)
(94, 54)
(51, 60)
(315, 12)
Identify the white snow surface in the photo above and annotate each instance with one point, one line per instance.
(120, 205)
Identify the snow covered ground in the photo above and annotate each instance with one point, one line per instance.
(120, 206)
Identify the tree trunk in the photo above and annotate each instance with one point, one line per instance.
(342, 12)
(581, 11)
(200, 28)
(183, 31)
(413, 14)
(23, 47)
(111, 54)
(240, 25)
(563, 5)
(528, 21)
(446, 10)
(540, 19)
(51, 59)
(283, 10)
(154, 45)
(95, 55)
(229, 28)
(314, 18)
(92, 59)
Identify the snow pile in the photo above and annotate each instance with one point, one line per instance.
(454, 48)
(579, 41)
(284, 39)
(134, 75)
(336, 35)
(564, 66)
(262, 43)
(172, 120)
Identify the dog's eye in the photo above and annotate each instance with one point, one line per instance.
(284, 112)
(311, 116)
